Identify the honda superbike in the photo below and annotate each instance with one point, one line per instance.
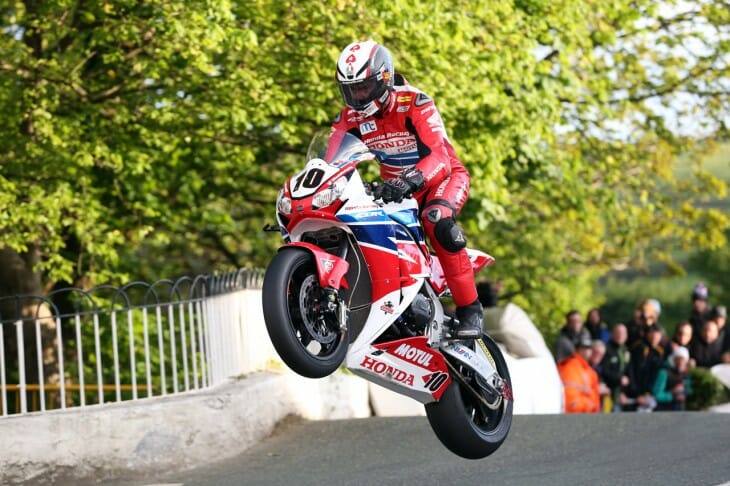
(356, 284)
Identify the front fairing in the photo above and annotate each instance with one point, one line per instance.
(388, 236)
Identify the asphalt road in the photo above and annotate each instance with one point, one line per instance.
(631, 448)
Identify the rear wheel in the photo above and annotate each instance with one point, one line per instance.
(307, 337)
(462, 422)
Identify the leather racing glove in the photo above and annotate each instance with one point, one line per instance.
(395, 189)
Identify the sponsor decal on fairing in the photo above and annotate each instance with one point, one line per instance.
(414, 355)
(388, 371)
(410, 374)
(486, 351)
(466, 352)
(387, 307)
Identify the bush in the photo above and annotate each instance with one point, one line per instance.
(707, 390)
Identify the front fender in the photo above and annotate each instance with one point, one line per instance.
(331, 269)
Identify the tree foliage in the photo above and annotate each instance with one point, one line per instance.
(149, 139)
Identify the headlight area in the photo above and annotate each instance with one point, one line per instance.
(283, 203)
(329, 195)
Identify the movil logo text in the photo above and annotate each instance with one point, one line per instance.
(414, 355)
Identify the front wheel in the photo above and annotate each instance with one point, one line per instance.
(462, 422)
(307, 337)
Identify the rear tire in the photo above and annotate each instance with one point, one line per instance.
(307, 340)
(466, 426)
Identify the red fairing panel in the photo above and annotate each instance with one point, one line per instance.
(412, 262)
(417, 352)
(478, 260)
(438, 279)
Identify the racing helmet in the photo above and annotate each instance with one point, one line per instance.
(365, 75)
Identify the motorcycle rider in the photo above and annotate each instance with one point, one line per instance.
(402, 127)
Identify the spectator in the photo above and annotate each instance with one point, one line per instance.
(580, 381)
(569, 336)
(706, 350)
(614, 364)
(646, 359)
(646, 315)
(598, 351)
(633, 325)
(682, 335)
(719, 315)
(657, 306)
(596, 327)
(700, 308)
(672, 383)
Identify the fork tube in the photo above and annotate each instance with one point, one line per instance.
(342, 248)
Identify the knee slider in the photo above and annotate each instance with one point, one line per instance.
(449, 235)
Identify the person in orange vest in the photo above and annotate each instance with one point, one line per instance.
(580, 381)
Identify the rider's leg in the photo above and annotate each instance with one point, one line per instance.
(449, 243)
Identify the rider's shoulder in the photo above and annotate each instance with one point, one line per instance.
(409, 94)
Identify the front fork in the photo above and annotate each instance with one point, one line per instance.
(335, 306)
(331, 270)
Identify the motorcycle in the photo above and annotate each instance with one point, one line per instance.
(356, 284)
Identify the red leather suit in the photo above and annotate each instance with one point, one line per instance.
(410, 133)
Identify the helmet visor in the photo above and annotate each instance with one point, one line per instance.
(358, 95)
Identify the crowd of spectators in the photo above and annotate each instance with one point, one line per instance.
(636, 366)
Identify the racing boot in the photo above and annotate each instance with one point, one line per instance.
(470, 321)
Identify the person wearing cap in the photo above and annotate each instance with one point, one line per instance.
(701, 310)
(580, 381)
(672, 383)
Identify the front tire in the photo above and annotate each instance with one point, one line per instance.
(465, 425)
(307, 339)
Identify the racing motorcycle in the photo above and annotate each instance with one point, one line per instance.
(356, 284)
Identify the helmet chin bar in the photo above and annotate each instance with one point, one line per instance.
(376, 106)
(371, 109)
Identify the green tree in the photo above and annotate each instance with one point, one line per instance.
(149, 139)
(716, 266)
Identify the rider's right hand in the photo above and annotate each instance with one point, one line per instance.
(393, 190)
